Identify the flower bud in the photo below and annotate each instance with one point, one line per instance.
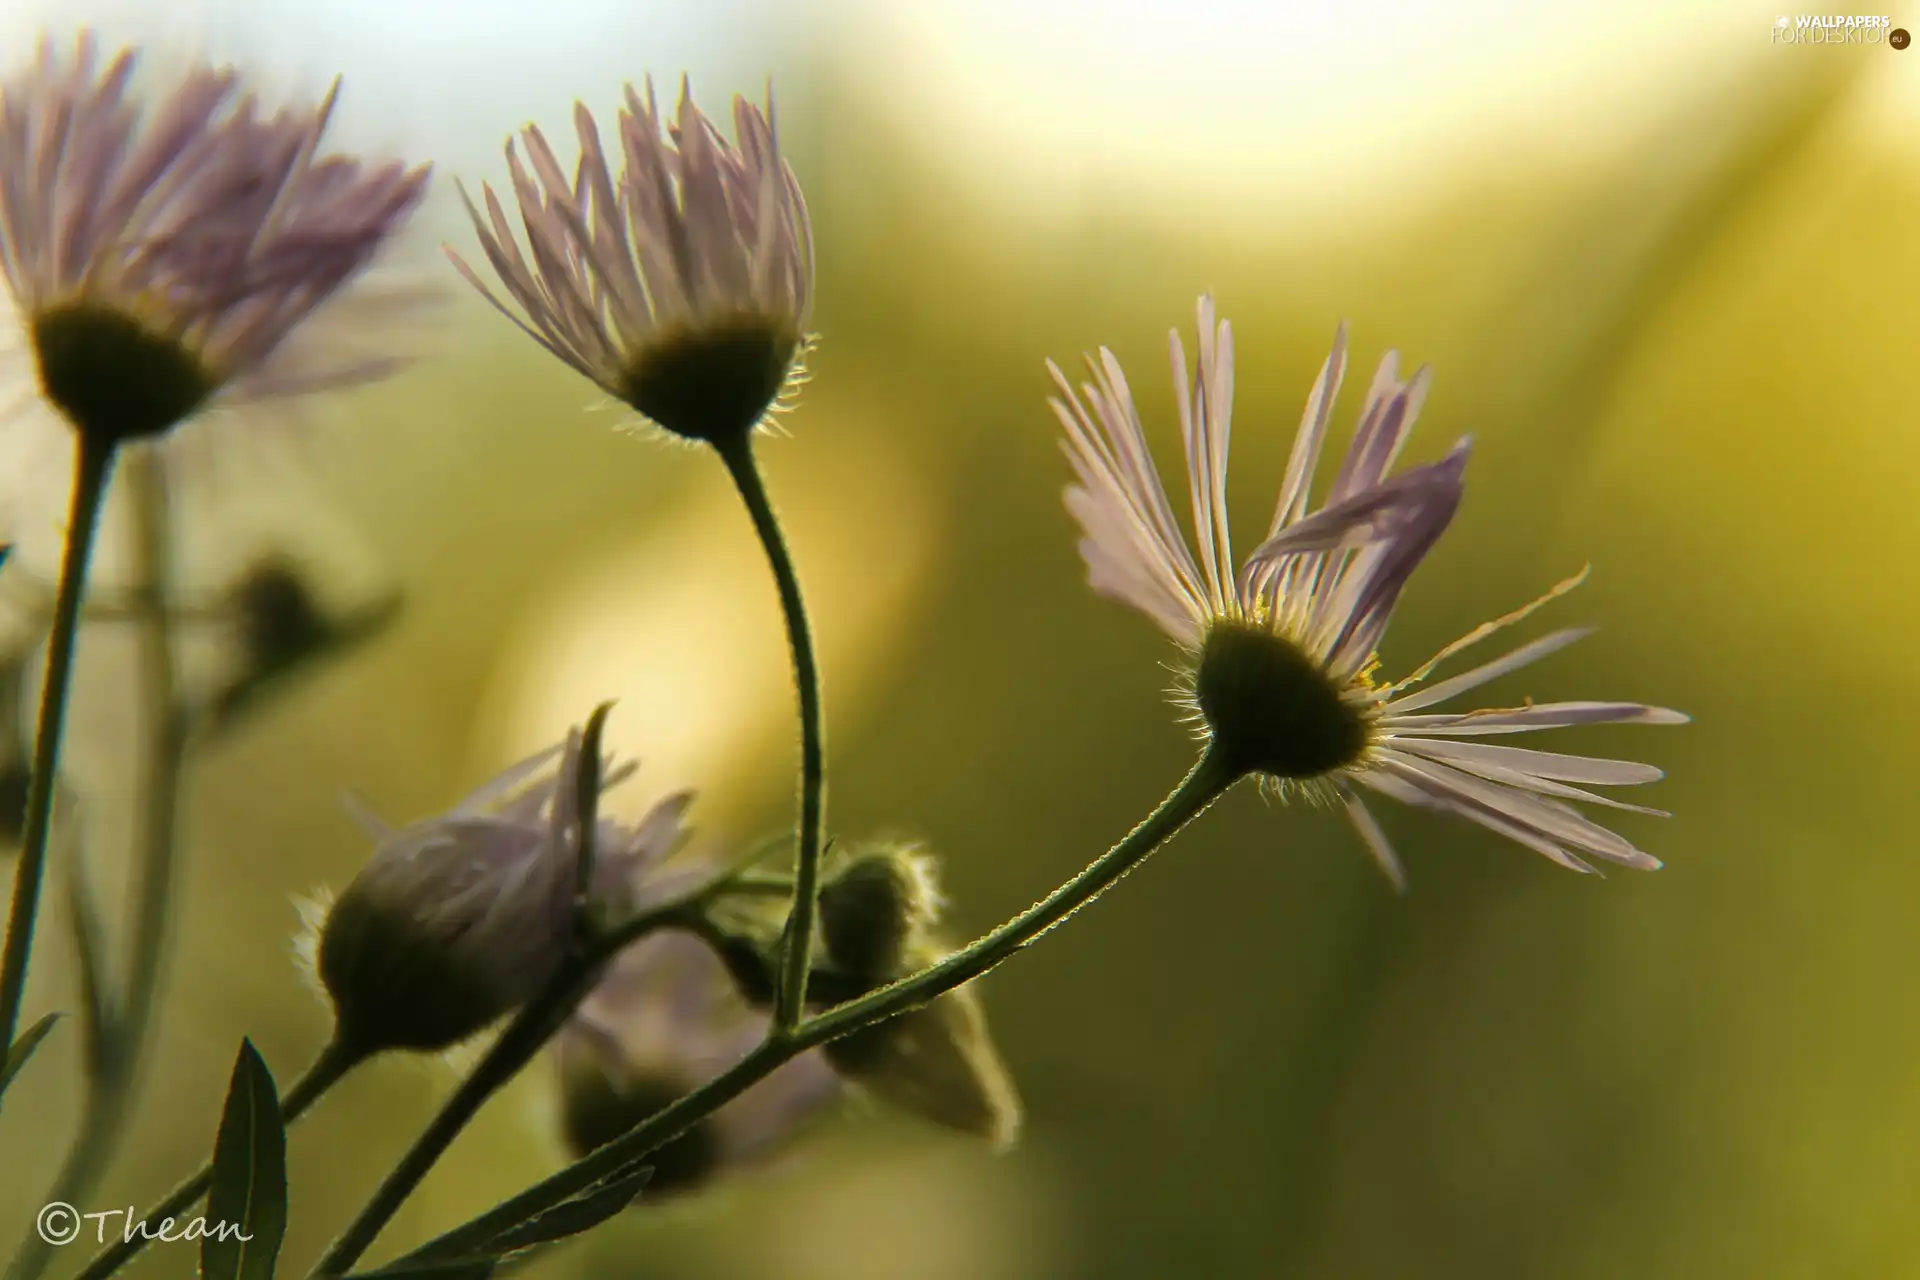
(938, 1062)
(873, 908)
(451, 925)
(457, 920)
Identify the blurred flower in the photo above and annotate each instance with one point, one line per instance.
(282, 630)
(685, 290)
(458, 919)
(663, 1021)
(161, 261)
(1284, 651)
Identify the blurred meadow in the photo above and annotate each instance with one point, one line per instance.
(1667, 276)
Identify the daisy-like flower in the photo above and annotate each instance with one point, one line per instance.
(663, 1021)
(682, 287)
(461, 918)
(161, 259)
(1283, 646)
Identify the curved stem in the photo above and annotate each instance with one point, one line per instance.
(327, 1070)
(93, 468)
(796, 958)
(1209, 779)
(115, 1068)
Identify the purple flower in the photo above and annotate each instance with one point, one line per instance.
(162, 256)
(664, 1020)
(458, 919)
(1284, 644)
(682, 285)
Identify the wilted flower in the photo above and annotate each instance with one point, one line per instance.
(664, 1020)
(1283, 646)
(458, 919)
(684, 287)
(160, 260)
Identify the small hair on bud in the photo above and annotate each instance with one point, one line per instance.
(874, 907)
(937, 1062)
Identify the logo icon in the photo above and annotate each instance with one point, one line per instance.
(1899, 38)
(1783, 22)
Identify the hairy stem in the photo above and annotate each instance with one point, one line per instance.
(796, 960)
(93, 469)
(1209, 779)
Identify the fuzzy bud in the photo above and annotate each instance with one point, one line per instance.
(937, 1062)
(457, 920)
(874, 908)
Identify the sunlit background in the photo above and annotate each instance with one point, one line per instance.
(1667, 275)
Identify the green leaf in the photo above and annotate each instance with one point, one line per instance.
(582, 1213)
(459, 1269)
(23, 1049)
(247, 1206)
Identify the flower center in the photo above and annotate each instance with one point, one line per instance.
(115, 379)
(713, 383)
(1272, 707)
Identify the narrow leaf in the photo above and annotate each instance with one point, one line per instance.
(582, 1213)
(570, 1218)
(458, 1269)
(23, 1049)
(247, 1206)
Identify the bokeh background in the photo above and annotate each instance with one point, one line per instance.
(1666, 272)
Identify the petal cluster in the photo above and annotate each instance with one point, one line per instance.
(1285, 643)
(459, 918)
(692, 236)
(200, 218)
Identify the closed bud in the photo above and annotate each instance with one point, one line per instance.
(460, 919)
(874, 908)
(937, 1062)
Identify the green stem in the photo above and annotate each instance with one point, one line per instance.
(112, 1081)
(327, 1070)
(93, 468)
(166, 755)
(1209, 779)
(796, 960)
(525, 1035)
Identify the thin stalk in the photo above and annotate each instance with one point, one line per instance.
(535, 1024)
(327, 1070)
(114, 1076)
(797, 955)
(93, 470)
(1209, 779)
